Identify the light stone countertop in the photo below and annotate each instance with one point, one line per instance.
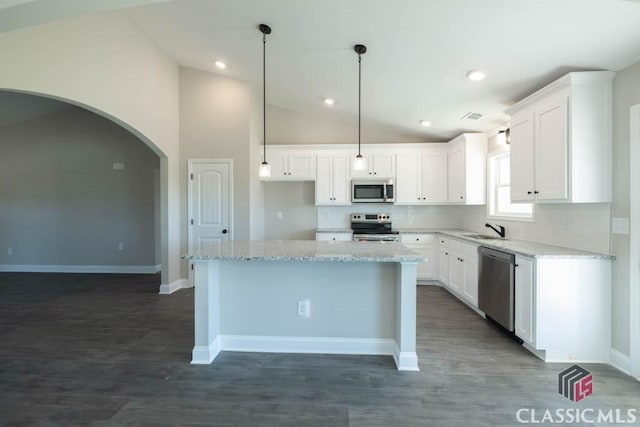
(307, 250)
(518, 247)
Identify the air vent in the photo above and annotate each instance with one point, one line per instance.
(471, 116)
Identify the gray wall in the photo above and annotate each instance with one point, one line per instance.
(61, 202)
(215, 116)
(626, 93)
(296, 201)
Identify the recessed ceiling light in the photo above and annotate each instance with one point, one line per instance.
(425, 123)
(328, 101)
(221, 65)
(475, 75)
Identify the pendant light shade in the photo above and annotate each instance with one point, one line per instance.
(265, 168)
(359, 163)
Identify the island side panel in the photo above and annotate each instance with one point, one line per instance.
(352, 306)
(206, 311)
(405, 354)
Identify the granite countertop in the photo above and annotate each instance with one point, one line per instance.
(518, 247)
(334, 230)
(307, 250)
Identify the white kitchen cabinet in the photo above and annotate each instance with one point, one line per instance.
(421, 176)
(379, 164)
(563, 308)
(334, 236)
(332, 178)
(460, 260)
(291, 165)
(525, 299)
(443, 260)
(456, 268)
(425, 245)
(561, 141)
(466, 169)
(470, 267)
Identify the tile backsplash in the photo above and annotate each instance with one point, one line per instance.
(402, 216)
(579, 226)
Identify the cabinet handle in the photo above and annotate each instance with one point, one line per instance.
(417, 240)
(517, 265)
(375, 173)
(369, 173)
(446, 253)
(535, 192)
(461, 197)
(529, 192)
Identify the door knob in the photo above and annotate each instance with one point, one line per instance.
(224, 231)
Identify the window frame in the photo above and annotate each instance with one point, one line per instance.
(492, 186)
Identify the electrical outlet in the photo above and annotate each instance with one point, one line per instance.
(278, 215)
(304, 308)
(120, 246)
(9, 251)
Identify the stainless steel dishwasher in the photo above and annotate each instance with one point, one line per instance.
(496, 283)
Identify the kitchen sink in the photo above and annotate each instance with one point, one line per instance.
(483, 237)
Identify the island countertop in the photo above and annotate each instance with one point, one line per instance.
(307, 250)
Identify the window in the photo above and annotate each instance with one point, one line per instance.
(499, 191)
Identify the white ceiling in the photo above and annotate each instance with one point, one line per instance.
(418, 50)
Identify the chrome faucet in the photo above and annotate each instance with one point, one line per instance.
(500, 232)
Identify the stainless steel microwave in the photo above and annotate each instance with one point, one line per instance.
(372, 191)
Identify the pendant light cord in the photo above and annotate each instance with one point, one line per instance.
(264, 96)
(359, 97)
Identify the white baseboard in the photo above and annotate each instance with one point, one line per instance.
(122, 269)
(203, 355)
(405, 361)
(620, 361)
(169, 288)
(320, 345)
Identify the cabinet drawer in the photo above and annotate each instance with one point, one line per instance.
(417, 239)
(341, 237)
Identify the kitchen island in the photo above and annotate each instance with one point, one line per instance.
(306, 297)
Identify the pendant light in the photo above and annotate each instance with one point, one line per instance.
(359, 164)
(265, 168)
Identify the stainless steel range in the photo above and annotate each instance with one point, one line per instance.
(373, 228)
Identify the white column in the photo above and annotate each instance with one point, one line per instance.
(405, 356)
(206, 311)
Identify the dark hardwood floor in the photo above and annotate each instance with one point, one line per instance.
(107, 350)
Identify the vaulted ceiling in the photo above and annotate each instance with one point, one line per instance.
(418, 50)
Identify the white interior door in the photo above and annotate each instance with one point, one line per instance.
(210, 204)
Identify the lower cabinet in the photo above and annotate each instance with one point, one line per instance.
(425, 245)
(524, 299)
(343, 237)
(458, 269)
(470, 282)
(563, 307)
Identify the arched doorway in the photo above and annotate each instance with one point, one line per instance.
(100, 198)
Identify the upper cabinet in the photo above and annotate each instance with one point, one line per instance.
(561, 141)
(291, 165)
(467, 169)
(379, 164)
(421, 175)
(332, 182)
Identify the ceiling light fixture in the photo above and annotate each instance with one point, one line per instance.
(221, 65)
(328, 101)
(265, 168)
(425, 123)
(475, 75)
(359, 164)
